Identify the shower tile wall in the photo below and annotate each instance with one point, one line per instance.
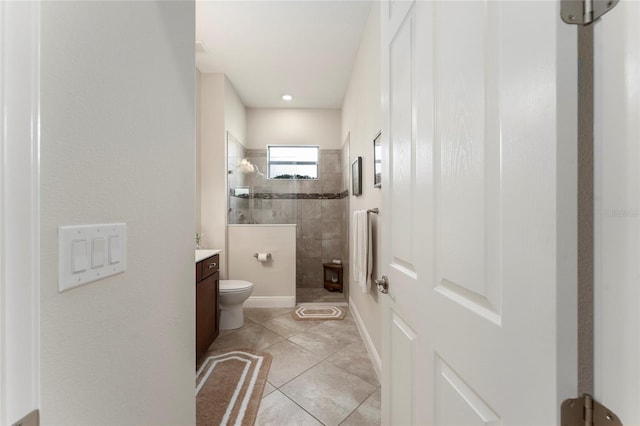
(318, 207)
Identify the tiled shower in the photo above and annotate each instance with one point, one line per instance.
(318, 207)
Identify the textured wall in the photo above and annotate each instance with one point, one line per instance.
(212, 159)
(302, 126)
(221, 113)
(198, 143)
(118, 144)
(346, 175)
(274, 281)
(361, 121)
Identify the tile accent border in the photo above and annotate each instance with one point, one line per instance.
(294, 195)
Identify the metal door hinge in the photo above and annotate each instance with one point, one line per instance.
(587, 412)
(584, 12)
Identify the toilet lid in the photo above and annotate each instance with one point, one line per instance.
(235, 285)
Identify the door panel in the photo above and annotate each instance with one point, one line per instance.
(397, 10)
(456, 403)
(480, 317)
(403, 354)
(402, 90)
(467, 150)
(403, 385)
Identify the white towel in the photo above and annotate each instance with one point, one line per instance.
(362, 250)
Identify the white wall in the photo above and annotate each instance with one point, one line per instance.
(279, 126)
(361, 121)
(198, 144)
(274, 281)
(221, 110)
(235, 120)
(118, 144)
(212, 161)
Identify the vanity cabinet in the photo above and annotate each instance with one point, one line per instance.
(207, 308)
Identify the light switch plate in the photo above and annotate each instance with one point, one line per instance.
(101, 264)
(98, 252)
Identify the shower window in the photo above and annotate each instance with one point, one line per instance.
(292, 162)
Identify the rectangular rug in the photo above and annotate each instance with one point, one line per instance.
(318, 312)
(229, 386)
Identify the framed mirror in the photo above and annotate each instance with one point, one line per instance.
(377, 161)
(356, 176)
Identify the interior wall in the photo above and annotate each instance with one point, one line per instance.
(198, 139)
(212, 159)
(274, 281)
(118, 145)
(283, 126)
(235, 120)
(361, 122)
(346, 175)
(221, 111)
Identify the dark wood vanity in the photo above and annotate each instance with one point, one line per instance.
(207, 308)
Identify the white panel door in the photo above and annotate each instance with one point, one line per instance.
(617, 211)
(479, 215)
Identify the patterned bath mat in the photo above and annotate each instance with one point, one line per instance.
(318, 313)
(229, 386)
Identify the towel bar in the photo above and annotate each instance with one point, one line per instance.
(376, 210)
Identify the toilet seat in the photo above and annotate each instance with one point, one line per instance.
(234, 286)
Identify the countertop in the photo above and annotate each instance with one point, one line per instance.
(203, 254)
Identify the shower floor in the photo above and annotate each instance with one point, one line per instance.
(317, 295)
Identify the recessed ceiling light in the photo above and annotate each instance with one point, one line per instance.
(287, 97)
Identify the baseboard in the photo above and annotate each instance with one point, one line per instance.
(270, 302)
(373, 353)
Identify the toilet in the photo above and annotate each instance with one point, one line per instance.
(233, 293)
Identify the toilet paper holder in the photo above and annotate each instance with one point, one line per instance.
(268, 255)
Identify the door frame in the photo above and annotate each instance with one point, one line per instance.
(616, 295)
(19, 209)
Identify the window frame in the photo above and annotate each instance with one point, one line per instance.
(292, 163)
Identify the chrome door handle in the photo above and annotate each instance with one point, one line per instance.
(212, 265)
(383, 284)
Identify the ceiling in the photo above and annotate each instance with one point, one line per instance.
(269, 48)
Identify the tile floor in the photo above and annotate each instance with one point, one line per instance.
(321, 373)
(306, 295)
